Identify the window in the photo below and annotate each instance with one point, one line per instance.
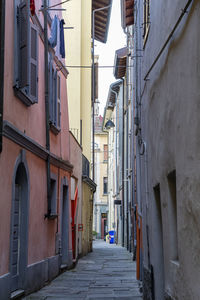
(53, 195)
(26, 54)
(54, 98)
(105, 152)
(173, 215)
(105, 185)
(146, 19)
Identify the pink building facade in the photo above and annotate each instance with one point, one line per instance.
(35, 168)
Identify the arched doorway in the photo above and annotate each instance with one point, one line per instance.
(19, 224)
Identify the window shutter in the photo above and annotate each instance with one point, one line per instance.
(58, 101)
(55, 98)
(50, 91)
(34, 64)
(24, 30)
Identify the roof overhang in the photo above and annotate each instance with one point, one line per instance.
(101, 19)
(120, 62)
(127, 11)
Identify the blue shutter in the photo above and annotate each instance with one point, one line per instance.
(34, 64)
(24, 46)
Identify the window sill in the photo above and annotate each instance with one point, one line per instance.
(54, 129)
(175, 263)
(52, 216)
(19, 93)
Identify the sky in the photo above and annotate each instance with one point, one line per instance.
(116, 40)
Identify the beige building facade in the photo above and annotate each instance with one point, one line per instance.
(101, 178)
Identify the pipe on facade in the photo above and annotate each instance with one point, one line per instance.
(2, 41)
(47, 111)
(184, 11)
(116, 160)
(123, 169)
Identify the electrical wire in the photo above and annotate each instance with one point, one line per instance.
(57, 4)
(89, 67)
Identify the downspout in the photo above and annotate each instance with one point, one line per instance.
(2, 33)
(123, 168)
(48, 214)
(116, 159)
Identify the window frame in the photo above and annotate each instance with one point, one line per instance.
(105, 153)
(53, 195)
(105, 181)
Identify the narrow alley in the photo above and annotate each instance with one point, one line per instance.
(107, 272)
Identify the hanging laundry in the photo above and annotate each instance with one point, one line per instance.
(53, 36)
(58, 39)
(32, 7)
(62, 39)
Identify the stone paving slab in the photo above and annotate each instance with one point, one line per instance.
(107, 273)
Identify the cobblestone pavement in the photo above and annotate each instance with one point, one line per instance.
(106, 273)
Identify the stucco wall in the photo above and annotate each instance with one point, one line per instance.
(87, 210)
(78, 51)
(170, 127)
(76, 160)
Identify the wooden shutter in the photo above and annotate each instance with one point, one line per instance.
(24, 44)
(34, 63)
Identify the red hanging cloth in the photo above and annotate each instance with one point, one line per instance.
(32, 7)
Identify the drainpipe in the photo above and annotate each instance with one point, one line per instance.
(47, 111)
(123, 169)
(116, 159)
(2, 36)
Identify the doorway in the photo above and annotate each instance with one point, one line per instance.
(19, 227)
(65, 226)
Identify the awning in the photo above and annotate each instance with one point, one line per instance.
(120, 62)
(101, 19)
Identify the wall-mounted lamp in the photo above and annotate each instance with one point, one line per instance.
(109, 124)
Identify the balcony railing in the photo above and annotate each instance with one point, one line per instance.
(85, 166)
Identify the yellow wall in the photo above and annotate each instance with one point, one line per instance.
(78, 53)
(101, 167)
(87, 210)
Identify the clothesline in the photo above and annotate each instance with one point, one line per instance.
(57, 36)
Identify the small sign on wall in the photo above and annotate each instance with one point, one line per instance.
(80, 227)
